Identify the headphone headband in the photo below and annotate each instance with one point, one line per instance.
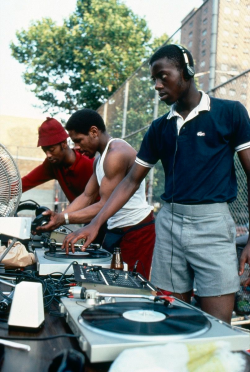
(187, 70)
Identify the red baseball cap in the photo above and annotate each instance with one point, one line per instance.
(51, 132)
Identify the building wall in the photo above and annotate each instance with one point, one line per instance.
(232, 45)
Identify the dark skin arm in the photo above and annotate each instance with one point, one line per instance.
(244, 157)
(87, 198)
(119, 197)
(118, 161)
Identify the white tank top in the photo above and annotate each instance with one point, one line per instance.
(135, 210)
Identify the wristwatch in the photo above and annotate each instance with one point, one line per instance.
(66, 217)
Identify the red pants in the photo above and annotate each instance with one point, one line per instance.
(139, 245)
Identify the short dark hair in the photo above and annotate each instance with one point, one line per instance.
(172, 52)
(82, 120)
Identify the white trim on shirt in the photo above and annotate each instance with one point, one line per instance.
(244, 146)
(144, 163)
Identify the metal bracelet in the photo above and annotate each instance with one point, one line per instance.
(66, 217)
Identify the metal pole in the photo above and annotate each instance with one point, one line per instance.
(105, 112)
(213, 47)
(125, 108)
(151, 173)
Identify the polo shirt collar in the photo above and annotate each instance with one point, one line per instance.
(204, 105)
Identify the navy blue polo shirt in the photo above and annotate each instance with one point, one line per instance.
(198, 163)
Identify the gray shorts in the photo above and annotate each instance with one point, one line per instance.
(195, 242)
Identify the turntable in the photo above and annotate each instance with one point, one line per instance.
(54, 261)
(106, 324)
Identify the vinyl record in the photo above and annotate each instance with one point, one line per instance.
(142, 320)
(88, 255)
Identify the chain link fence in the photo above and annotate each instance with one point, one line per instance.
(218, 36)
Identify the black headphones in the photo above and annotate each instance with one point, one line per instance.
(188, 71)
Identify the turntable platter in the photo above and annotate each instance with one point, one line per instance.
(96, 255)
(141, 320)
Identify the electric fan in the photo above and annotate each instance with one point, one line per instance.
(10, 184)
(10, 194)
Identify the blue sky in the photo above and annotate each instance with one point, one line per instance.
(15, 98)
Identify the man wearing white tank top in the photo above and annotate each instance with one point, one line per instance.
(132, 227)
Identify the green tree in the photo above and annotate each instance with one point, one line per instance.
(84, 61)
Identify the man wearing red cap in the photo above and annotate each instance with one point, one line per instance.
(71, 168)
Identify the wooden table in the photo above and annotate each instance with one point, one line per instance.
(39, 358)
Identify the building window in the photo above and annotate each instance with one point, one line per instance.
(190, 34)
(223, 90)
(225, 33)
(224, 67)
(247, 29)
(205, 11)
(237, 1)
(236, 35)
(204, 32)
(191, 24)
(247, 18)
(223, 79)
(226, 21)
(244, 84)
(227, 10)
(245, 62)
(225, 56)
(236, 12)
(246, 40)
(236, 23)
(225, 44)
(234, 57)
(246, 51)
(243, 96)
(190, 43)
(203, 53)
(234, 46)
(202, 64)
(232, 92)
(203, 42)
(234, 68)
(205, 21)
(201, 85)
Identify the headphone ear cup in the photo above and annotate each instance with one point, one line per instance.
(40, 210)
(190, 71)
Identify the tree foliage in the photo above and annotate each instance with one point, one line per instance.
(85, 60)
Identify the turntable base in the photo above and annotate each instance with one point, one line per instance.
(56, 263)
(104, 343)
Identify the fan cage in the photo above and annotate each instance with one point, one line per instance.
(10, 184)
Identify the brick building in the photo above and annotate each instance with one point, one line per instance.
(218, 36)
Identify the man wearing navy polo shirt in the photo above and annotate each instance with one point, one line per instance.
(195, 141)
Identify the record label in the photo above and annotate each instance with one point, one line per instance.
(144, 316)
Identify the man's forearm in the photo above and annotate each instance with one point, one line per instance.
(85, 215)
(81, 202)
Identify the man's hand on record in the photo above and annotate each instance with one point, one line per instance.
(56, 220)
(71, 239)
(245, 258)
(90, 233)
